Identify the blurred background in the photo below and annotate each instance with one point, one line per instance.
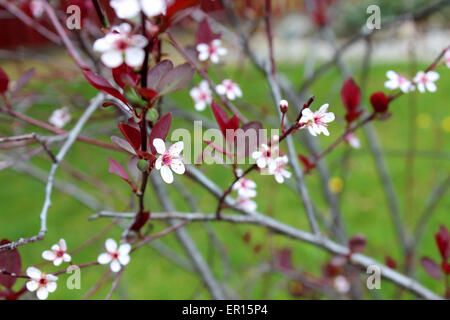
(250, 260)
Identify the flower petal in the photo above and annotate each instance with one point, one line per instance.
(124, 259)
(32, 285)
(166, 174)
(104, 258)
(51, 286)
(42, 293)
(176, 148)
(48, 255)
(177, 166)
(63, 245)
(134, 56)
(34, 273)
(115, 266)
(159, 145)
(124, 248)
(112, 59)
(111, 245)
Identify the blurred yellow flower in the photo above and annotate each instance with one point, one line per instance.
(446, 124)
(335, 184)
(423, 120)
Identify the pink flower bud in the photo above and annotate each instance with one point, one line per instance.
(284, 105)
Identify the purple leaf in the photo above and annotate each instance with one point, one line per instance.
(125, 145)
(221, 116)
(156, 73)
(11, 262)
(132, 135)
(431, 267)
(204, 33)
(160, 130)
(176, 79)
(23, 80)
(117, 169)
(102, 84)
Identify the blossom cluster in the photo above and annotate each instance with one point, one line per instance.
(44, 283)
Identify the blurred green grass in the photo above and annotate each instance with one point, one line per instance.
(151, 276)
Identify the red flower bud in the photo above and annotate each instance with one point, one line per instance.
(379, 101)
(350, 95)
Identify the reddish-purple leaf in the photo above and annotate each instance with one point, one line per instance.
(204, 33)
(125, 75)
(443, 242)
(140, 221)
(125, 145)
(132, 135)
(11, 262)
(23, 80)
(4, 81)
(431, 267)
(357, 243)
(176, 79)
(156, 73)
(350, 95)
(233, 123)
(117, 169)
(445, 267)
(102, 84)
(221, 116)
(146, 93)
(160, 130)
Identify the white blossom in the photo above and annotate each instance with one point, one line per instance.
(398, 81)
(264, 156)
(169, 159)
(425, 81)
(246, 203)
(58, 253)
(41, 283)
(230, 89)
(60, 117)
(211, 51)
(279, 169)
(317, 122)
(244, 187)
(116, 256)
(201, 95)
(120, 45)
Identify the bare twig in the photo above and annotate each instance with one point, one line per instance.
(95, 102)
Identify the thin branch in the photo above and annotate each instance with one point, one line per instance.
(73, 134)
(283, 229)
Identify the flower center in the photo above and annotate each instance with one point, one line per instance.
(42, 282)
(167, 159)
(114, 255)
(59, 253)
(121, 45)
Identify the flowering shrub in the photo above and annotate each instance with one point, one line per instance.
(123, 57)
